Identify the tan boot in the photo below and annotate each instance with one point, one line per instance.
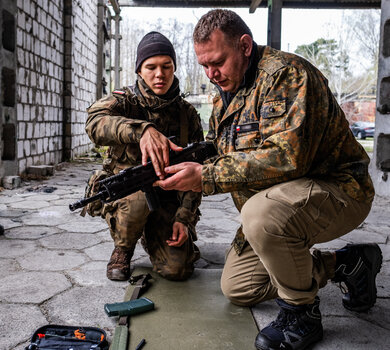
(118, 268)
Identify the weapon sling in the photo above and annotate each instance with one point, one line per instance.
(121, 334)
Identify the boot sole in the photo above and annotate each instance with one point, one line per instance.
(117, 275)
(301, 346)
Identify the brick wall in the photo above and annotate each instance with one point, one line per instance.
(39, 82)
(55, 78)
(82, 77)
(360, 110)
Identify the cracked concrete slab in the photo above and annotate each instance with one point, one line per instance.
(29, 204)
(31, 232)
(52, 260)
(60, 277)
(72, 241)
(83, 227)
(23, 318)
(83, 307)
(32, 287)
(12, 248)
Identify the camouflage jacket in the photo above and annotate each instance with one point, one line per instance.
(284, 125)
(118, 121)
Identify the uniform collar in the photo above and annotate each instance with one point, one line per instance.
(152, 101)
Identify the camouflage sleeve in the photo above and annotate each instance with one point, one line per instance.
(188, 212)
(290, 130)
(107, 124)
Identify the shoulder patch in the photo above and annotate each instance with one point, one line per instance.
(271, 61)
(119, 92)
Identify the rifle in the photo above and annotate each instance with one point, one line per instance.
(142, 177)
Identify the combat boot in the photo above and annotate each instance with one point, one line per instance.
(118, 268)
(357, 266)
(295, 328)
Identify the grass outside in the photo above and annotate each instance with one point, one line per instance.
(368, 144)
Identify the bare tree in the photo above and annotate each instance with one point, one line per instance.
(189, 72)
(365, 27)
(348, 78)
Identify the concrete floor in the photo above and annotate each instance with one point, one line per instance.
(53, 261)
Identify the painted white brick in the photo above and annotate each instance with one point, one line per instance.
(26, 147)
(19, 112)
(45, 144)
(36, 130)
(33, 9)
(33, 147)
(43, 50)
(27, 114)
(30, 96)
(28, 42)
(33, 79)
(44, 95)
(21, 131)
(42, 129)
(22, 166)
(38, 97)
(36, 47)
(26, 6)
(28, 25)
(40, 146)
(29, 131)
(20, 149)
(35, 31)
(29, 162)
(20, 57)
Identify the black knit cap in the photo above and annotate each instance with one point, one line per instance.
(154, 44)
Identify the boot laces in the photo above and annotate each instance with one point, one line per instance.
(285, 319)
(343, 287)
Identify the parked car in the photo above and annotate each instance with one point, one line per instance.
(361, 130)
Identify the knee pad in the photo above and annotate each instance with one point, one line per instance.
(174, 273)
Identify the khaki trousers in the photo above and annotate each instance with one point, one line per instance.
(130, 219)
(281, 224)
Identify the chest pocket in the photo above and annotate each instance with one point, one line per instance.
(273, 117)
(247, 136)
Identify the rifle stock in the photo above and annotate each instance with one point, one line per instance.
(141, 177)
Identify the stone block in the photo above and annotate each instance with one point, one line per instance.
(11, 182)
(41, 170)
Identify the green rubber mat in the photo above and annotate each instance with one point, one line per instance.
(191, 315)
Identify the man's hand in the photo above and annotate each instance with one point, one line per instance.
(156, 146)
(179, 235)
(187, 177)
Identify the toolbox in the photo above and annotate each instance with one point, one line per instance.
(57, 337)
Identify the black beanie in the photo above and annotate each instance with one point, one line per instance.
(154, 44)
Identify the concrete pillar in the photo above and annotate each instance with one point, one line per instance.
(8, 88)
(274, 23)
(100, 50)
(380, 165)
(68, 81)
(117, 51)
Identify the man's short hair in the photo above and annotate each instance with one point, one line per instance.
(228, 22)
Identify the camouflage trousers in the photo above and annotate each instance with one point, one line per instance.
(130, 219)
(281, 225)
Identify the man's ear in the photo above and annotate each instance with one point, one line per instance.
(246, 44)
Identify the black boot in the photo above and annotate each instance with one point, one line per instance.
(357, 266)
(296, 327)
